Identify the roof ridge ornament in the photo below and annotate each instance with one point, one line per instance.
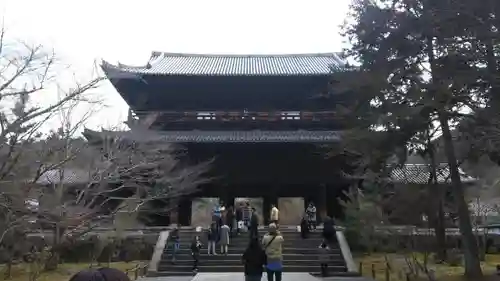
(155, 58)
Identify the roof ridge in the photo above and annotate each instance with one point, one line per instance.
(173, 54)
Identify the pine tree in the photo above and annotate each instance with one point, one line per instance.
(421, 63)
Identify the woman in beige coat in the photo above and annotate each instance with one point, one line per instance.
(272, 244)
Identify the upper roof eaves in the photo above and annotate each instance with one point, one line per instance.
(162, 63)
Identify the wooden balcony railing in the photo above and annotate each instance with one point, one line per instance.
(238, 116)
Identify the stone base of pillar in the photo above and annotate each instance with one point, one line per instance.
(291, 210)
(174, 217)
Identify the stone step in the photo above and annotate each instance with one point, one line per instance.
(285, 250)
(204, 256)
(244, 244)
(299, 255)
(240, 268)
(314, 273)
(284, 233)
(261, 232)
(246, 238)
(169, 273)
(236, 262)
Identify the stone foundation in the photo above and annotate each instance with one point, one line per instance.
(202, 208)
(291, 210)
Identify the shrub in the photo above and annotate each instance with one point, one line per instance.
(92, 248)
(454, 257)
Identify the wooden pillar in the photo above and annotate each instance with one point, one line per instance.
(322, 202)
(230, 200)
(173, 216)
(269, 199)
(184, 211)
(266, 208)
(225, 196)
(308, 199)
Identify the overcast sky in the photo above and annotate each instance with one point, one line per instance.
(127, 31)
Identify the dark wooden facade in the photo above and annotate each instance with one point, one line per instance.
(261, 118)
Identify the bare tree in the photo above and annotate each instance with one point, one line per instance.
(123, 177)
(27, 72)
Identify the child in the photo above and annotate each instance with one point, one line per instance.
(195, 252)
(324, 252)
(224, 239)
(174, 241)
(212, 238)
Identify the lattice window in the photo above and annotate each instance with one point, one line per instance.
(205, 116)
(290, 115)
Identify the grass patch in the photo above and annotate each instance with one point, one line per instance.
(64, 271)
(443, 272)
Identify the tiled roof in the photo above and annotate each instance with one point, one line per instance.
(420, 174)
(69, 176)
(225, 136)
(233, 65)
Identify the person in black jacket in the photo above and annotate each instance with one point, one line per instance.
(100, 274)
(213, 238)
(254, 225)
(254, 259)
(195, 252)
(304, 228)
(329, 230)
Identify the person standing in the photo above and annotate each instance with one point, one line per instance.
(304, 228)
(224, 239)
(223, 213)
(254, 224)
(212, 239)
(217, 216)
(239, 217)
(329, 230)
(311, 216)
(324, 254)
(274, 214)
(254, 259)
(247, 213)
(230, 219)
(195, 252)
(272, 243)
(174, 240)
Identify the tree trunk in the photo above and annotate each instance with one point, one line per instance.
(321, 203)
(492, 66)
(440, 230)
(439, 192)
(470, 249)
(53, 261)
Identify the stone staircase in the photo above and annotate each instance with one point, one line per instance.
(299, 255)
